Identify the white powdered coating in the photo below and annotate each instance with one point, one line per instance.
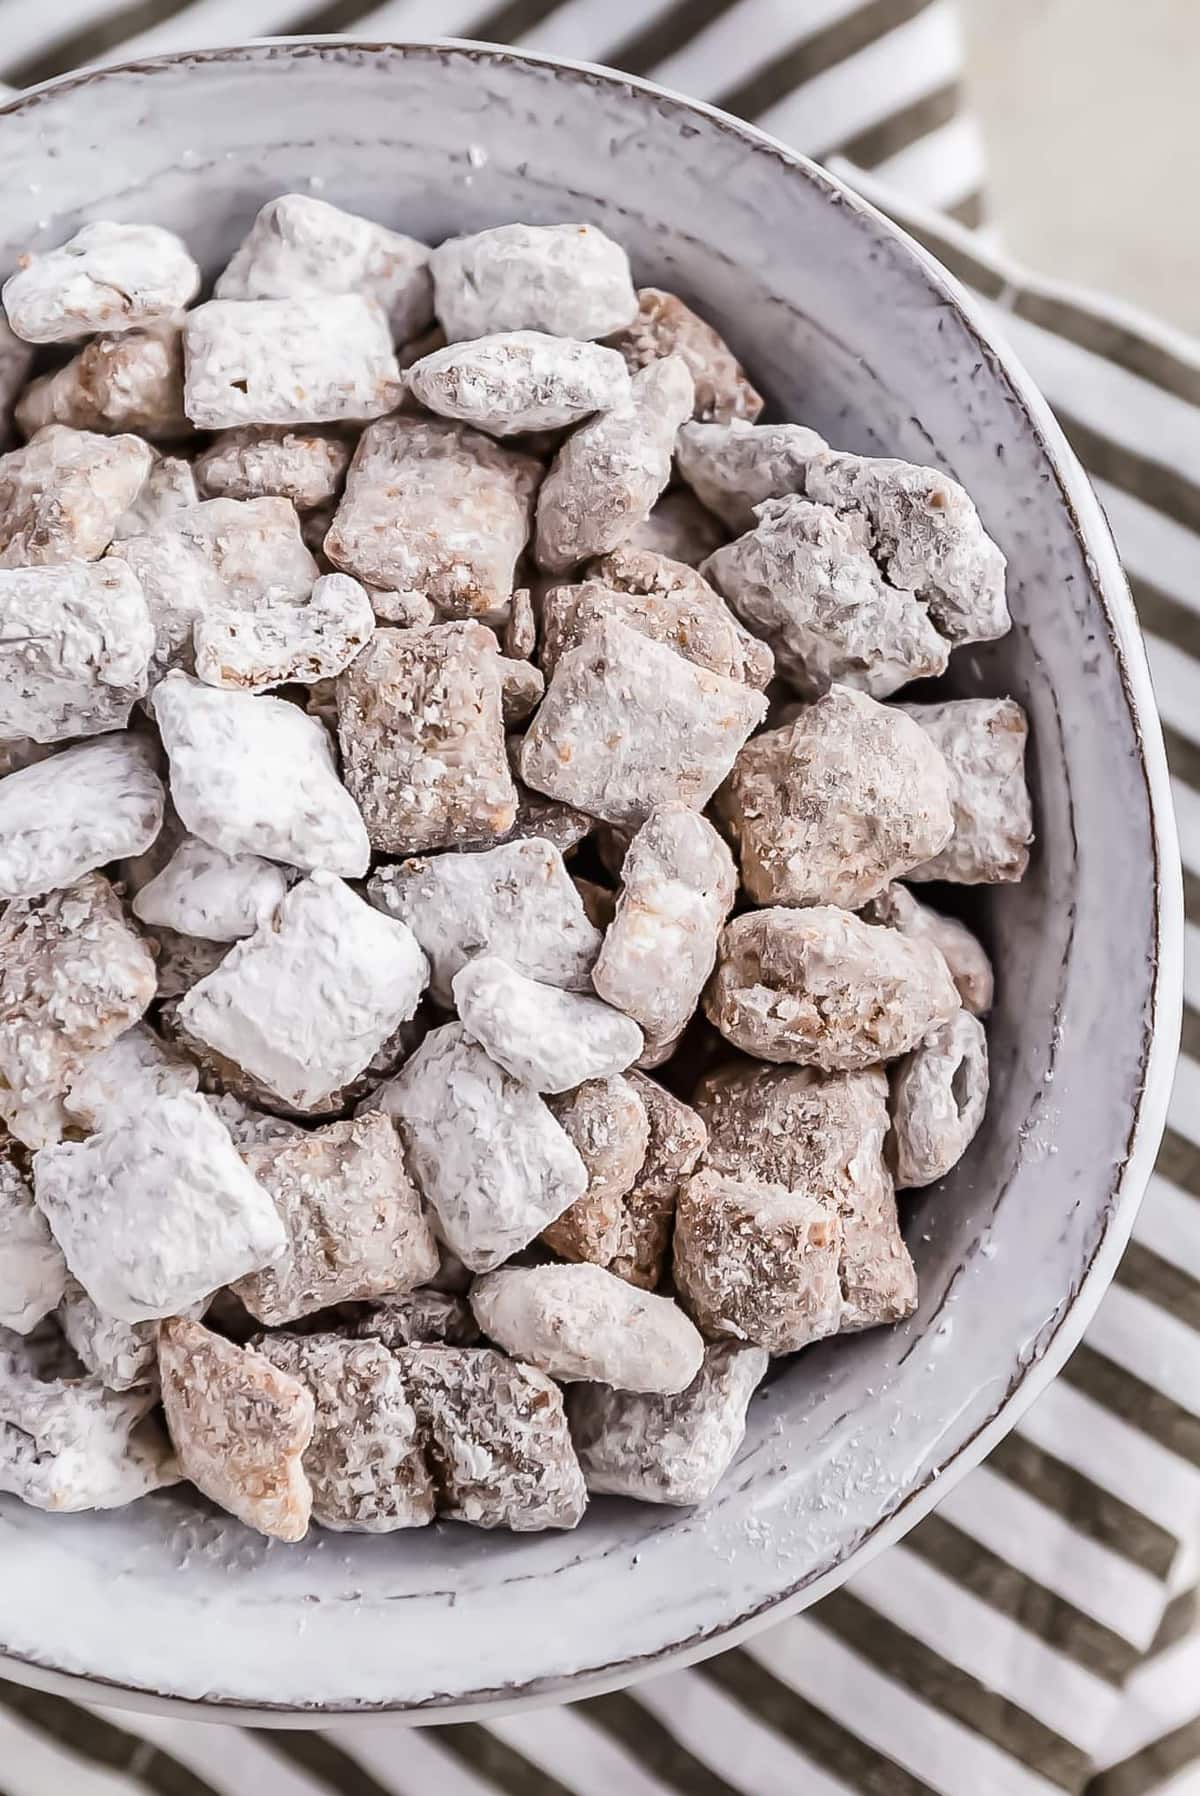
(257, 776)
(353, 1220)
(179, 584)
(63, 493)
(204, 892)
(805, 581)
(606, 477)
(551, 1039)
(832, 807)
(627, 724)
(569, 280)
(516, 901)
(129, 382)
(107, 277)
(966, 958)
(75, 647)
(665, 326)
(169, 487)
(408, 610)
(280, 642)
(678, 884)
(33, 1272)
(939, 1095)
(257, 460)
(308, 360)
(580, 1323)
(419, 1319)
(733, 467)
(67, 1444)
(927, 537)
(365, 1461)
(119, 1080)
(667, 1449)
(982, 741)
(679, 528)
(485, 1151)
(254, 545)
(123, 1355)
(301, 245)
(520, 631)
(73, 976)
(522, 688)
(240, 1427)
(156, 1211)
(520, 381)
(304, 1003)
(81, 808)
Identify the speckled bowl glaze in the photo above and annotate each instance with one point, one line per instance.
(847, 326)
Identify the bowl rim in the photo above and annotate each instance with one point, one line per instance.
(1160, 1038)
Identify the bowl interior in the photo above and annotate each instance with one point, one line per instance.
(846, 330)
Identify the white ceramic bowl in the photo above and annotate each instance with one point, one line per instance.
(847, 326)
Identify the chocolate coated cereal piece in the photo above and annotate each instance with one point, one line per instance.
(278, 643)
(733, 467)
(665, 326)
(169, 487)
(240, 1427)
(496, 1439)
(982, 741)
(179, 584)
(116, 1081)
(832, 807)
(204, 892)
(16, 360)
(969, 965)
(407, 610)
(608, 474)
(107, 277)
(129, 382)
(519, 381)
(257, 460)
(485, 1151)
(667, 1449)
(551, 1039)
(520, 631)
(353, 1219)
(939, 1095)
(304, 1003)
(674, 1149)
(420, 1319)
(123, 1355)
(516, 901)
(569, 280)
(522, 689)
(658, 578)
(627, 724)
(33, 1272)
(182, 960)
(83, 807)
(253, 545)
(75, 648)
(607, 1121)
(818, 987)
(365, 1461)
(63, 492)
(434, 507)
(308, 360)
(679, 528)
(300, 245)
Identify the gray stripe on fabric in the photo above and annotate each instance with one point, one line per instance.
(1165, 616)
(815, 54)
(1143, 1771)
(1183, 755)
(103, 1743)
(1178, 1160)
(641, 53)
(1088, 1508)
(481, 1751)
(971, 211)
(90, 42)
(335, 15)
(899, 131)
(1178, 1621)
(653, 1745)
(321, 1758)
(1145, 1272)
(1112, 342)
(1155, 483)
(1134, 1401)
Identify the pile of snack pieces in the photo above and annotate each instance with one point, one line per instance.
(429, 702)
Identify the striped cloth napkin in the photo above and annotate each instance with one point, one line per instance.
(1034, 1635)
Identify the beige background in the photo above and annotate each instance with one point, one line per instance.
(1091, 113)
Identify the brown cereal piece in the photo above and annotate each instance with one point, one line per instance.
(679, 528)
(832, 807)
(240, 1426)
(414, 349)
(157, 1210)
(169, 487)
(201, 891)
(420, 1319)
(33, 1272)
(819, 987)
(278, 643)
(16, 360)
(939, 1095)
(667, 1449)
(542, 820)
(179, 585)
(982, 741)
(129, 382)
(607, 1122)
(62, 493)
(516, 901)
(696, 624)
(353, 1220)
(365, 1461)
(496, 1439)
(484, 1149)
(73, 976)
(665, 326)
(627, 725)
(107, 277)
(433, 507)
(308, 360)
(314, 528)
(305, 1002)
(407, 610)
(758, 1262)
(821, 1134)
(927, 536)
(77, 641)
(551, 1039)
(569, 280)
(733, 467)
(422, 735)
(599, 902)
(249, 1128)
(520, 631)
(77, 810)
(657, 577)
(678, 884)
(182, 960)
(255, 461)
(253, 545)
(123, 1355)
(118, 1080)
(522, 689)
(301, 245)
(969, 965)
(805, 581)
(607, 475)
(519, 381)
(676, 1144)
